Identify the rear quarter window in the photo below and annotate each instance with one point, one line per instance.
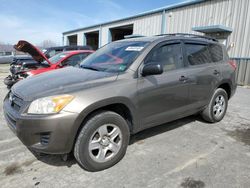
(197, 54)
(216, 52)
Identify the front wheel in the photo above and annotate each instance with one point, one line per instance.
(217, 107)
(102, 142)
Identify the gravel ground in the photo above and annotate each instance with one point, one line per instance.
(187, 153)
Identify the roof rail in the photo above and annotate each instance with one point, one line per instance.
(189, 35)
(133, 36)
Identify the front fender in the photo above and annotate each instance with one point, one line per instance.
(100, 105)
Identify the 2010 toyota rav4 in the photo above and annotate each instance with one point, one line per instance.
(124, 87)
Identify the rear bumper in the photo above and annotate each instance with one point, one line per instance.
(52, 134)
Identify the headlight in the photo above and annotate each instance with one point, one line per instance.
(49, 105)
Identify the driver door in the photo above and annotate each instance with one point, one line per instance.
(162, 98)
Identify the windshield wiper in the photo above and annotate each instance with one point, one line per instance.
(90, 68)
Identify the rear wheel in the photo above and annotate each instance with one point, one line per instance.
(217, 107)
(102, 141)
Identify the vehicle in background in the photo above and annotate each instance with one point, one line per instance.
(6, 53)
(6, 57)
(63, 59)
(49, 52)
(123, 88)
(29, 63)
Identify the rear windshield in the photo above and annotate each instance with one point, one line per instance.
(114, 57)
(57, 57)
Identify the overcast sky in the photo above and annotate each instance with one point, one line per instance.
(39, 20)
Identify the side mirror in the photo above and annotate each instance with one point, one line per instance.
(152, 69)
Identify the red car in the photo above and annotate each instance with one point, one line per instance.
(61, 60)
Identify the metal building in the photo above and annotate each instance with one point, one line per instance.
(226, 20)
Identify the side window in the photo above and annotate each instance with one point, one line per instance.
(216, 52)
(72, 61)
(51, 53)
(169, 56)
(197, 54)
(83, 56)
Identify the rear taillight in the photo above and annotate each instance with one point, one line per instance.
(233, 64)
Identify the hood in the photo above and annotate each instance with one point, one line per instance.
(61, 81)
(37, 55)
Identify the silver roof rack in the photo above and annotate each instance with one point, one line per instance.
(133, 36)
(189, 35)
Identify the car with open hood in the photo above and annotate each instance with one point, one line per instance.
(28, 62)
(61, 60)
(123, 88)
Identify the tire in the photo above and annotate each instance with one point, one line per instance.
(102, 142)
(217, 107)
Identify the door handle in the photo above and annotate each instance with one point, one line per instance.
(183, 79)
(216, 72)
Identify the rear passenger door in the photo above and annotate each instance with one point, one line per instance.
(164, 97)
(217, 54)
(203, 74)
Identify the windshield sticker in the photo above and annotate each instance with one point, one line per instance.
(134, 48)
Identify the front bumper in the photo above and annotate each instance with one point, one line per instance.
(53, 134)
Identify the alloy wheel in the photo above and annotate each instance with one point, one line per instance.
(105, 143)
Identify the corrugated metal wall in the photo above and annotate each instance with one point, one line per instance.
(147, 25)
(243, 71)
(230, 13)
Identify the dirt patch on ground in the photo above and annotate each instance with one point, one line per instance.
(191, 183)
(16, 168)
(242, 135)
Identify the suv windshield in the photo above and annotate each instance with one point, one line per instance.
(114, 57)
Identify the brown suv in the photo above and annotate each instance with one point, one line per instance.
(121, 89)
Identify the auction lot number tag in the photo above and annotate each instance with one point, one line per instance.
(134, 48)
